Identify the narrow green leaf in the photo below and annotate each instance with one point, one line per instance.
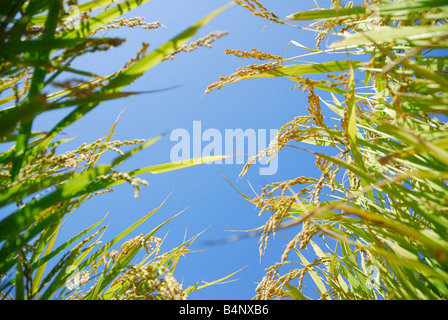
(91, 25)
(294, 293)
(140, 67)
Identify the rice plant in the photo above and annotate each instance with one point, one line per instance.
(376, 217)
(40, 188)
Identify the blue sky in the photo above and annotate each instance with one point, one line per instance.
(210, 200)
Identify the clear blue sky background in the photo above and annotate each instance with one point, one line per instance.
(212, 203)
